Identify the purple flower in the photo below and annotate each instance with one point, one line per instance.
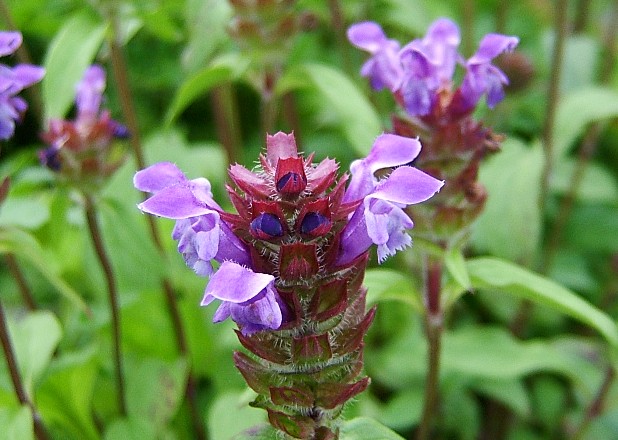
(481, 76)
(248, 297)
(201, 235)
(12, 81)
(89, 94)
(384, 67)
(380, 218)
(429, 65)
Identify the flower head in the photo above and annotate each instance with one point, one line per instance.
(12, 81)
(422, 71)
(287, 267)
(83, 148)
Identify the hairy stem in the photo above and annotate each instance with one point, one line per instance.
(11, 361)
(433, 323)
(112, 290)
(22, 285)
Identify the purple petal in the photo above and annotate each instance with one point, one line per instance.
(9, 42)
(260, 313)
(236, 284)
(407, 186)
(89, 91)
(367, 35)
(157, 177)
(491, 46)
(175, 202)
(388, 151)
(28, 74)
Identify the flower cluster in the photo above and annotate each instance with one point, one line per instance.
(82, 149)
(421, 77)
(290, 264)
(423, 69)
(12, 81)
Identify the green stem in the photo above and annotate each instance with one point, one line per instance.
(20, 279)
(468, 27)
(338, 22)
(595, 408)
(11, 361)
(112, 290)
(433, 323)
(560, 27)
(226, 120)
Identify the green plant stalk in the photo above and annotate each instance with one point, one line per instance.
(587, 149)
(11, 361)
(112, 290)
(226, 120)
(560, 26)
(433, 329)
(120, 70)
(338, 22)
(20, 279)
(595, 408)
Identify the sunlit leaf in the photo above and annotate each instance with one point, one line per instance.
(223, 70)
(230, 414)
(355, 117)
(514, 280)
(16, 424)
(35, 339)
(25, 246)
(364, 428)
(391, 285)
(68, 56)
(578, 109)
(510, 225)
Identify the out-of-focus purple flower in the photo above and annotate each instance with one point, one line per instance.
(12, 81)
(201, 235)
(380, 218)
(248, 297)
(89, 93)
(481, 76)
(428, 65)
(384, 67)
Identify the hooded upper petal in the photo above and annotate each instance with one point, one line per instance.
(384, 67)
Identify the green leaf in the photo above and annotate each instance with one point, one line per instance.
(131, 429)
(456, 265)
(68, 56)
(65, 398)
(16, 425)
(577, 110)
(510, 226)
(230, 413)
(597, 182)
(391, 285)
(223, 70)
(515, 280)
(35, 339)
(25, 246)
(364, 428)
(355, 116)
(155, 389)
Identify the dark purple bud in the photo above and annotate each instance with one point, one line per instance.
(266, 226)
(121, 131)
(290, 176)
(315, 224)
(50, 158)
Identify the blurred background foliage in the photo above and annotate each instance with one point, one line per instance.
(512, 370)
